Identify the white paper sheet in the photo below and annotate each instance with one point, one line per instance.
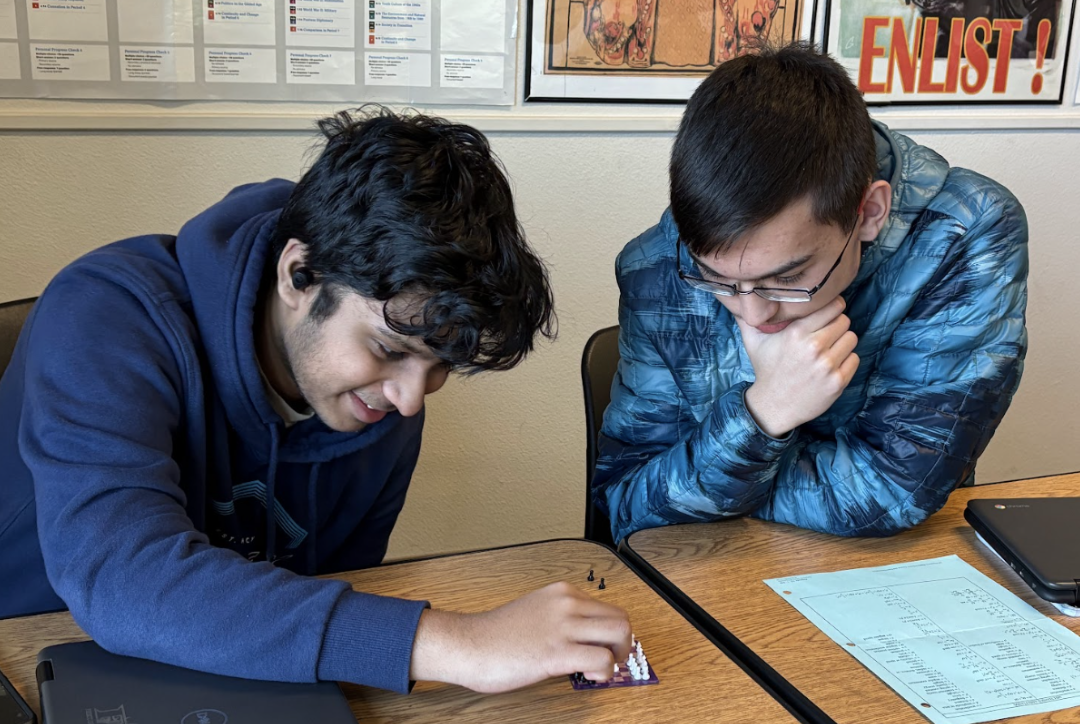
(956, 645)
(8, 31)
(67, 20)
(472, 71)
(399, 25)
(60, 61)
(475, 26)
(321, 23)
(240, 65)
(10, 67)
(332, 67)
(397, 69)
(164, 21)
(155, 63)
(239, 22)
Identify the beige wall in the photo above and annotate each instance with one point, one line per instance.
(503, 459)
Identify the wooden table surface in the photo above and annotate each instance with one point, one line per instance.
(698, 683)
(722, 566)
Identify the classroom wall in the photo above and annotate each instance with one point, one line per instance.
(503, 456)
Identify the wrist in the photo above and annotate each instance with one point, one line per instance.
(439, 648)
(769, 418)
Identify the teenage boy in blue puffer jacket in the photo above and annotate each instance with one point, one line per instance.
(826, 327)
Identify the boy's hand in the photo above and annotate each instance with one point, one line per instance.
(800, 370)
(555, 630)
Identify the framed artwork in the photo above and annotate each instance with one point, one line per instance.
(952, 51)
(646, 50)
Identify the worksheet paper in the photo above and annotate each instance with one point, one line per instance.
(956, 645)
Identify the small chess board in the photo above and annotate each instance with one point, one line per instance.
(622, 678)
(635, 672)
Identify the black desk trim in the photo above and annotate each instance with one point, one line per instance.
(737, 652)
(766, 676)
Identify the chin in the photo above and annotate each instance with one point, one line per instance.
(337, 422)
(350, 425)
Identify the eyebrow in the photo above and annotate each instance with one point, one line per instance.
(779, 271)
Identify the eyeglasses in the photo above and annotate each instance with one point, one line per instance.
(773, 294)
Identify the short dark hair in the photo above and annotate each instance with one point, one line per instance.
(413, 207)
(763, 131)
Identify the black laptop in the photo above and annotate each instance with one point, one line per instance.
(1037, 537)
(82, 683)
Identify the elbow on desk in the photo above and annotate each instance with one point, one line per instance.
(115, 625)
(886, 525)
(116, 634)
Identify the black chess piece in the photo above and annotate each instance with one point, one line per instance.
(602, 586)
(591, 577)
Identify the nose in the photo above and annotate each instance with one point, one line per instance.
(406, 392)
(756, 310)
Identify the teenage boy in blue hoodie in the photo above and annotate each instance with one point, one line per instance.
(279, 348)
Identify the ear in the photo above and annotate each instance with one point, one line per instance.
(290, 264)
(877, 202)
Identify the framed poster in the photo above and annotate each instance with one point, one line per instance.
(952, 51)
(646, 50)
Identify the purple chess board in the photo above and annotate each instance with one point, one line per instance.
(622, 678)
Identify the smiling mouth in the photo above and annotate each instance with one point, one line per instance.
(373, 409)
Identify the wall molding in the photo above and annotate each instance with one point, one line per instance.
(517, 120)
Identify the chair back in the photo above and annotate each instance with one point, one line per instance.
(12, 316)
(599, 362)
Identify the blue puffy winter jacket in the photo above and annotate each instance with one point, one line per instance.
(938, 306)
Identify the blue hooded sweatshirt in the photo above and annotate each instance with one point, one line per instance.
(139, 451)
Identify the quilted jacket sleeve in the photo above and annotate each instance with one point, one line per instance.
(934, 400)
(657, 463)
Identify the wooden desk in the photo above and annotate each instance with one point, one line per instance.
(721, 568)
(697, 681)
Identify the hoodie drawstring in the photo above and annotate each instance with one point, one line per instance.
(271, 499)
(313, 502)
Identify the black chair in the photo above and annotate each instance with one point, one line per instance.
(598, 365)
(12, 316)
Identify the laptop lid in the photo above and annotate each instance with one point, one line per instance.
(81, 683)
(1036, 536)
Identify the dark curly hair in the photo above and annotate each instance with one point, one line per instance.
(413, 207)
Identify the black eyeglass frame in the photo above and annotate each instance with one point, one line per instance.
(730, 290)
